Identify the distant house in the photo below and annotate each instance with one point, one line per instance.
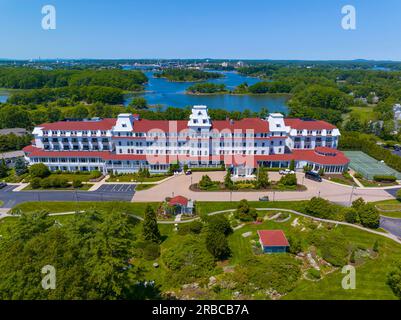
(181, 205)
(11, 157)
(397, 111)
(17, 131)
(273, 241)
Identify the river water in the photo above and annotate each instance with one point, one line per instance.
(172, 94)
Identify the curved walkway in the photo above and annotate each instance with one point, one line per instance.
(387, 235)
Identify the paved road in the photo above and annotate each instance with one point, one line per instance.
(392, 225)
(392, 191)
(334, 192)
(110, 193)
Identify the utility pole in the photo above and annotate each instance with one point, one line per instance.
(352, 194)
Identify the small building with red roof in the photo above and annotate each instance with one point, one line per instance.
(181, 205)
(273, 241)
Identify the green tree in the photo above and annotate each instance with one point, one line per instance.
(219, 223)
(217, 245)
(244, 211)
(228, 182)
(39, 170)
(351, 215)
(394, 279)
(150, 228)
(3, 169)
(288, 180)
(20, 167)
(139, 103)
(292, 165)
(262, 181)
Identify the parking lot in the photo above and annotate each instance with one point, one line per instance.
(109, 192)
(117, 188)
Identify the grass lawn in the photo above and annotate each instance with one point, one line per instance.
(374, 184)
(393, 205)
(338, 178)
(136, 208)
(365, 113)
(140, 187)
(85, 187)
(370, 277)
(72, 176)
(134, 178)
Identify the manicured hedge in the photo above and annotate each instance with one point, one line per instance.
(381, 178)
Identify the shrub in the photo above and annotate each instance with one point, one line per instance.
(369, 216)
(295, 244)
(183, 229)
(262, 181)
(289, 180)
(351, 215)
(206, 183)
(219, 223)
(394, 279)
(95, 174)
(319, 207)
(244, 212)
(35, 183)
(398, 195)
(195, 227)
(380, 178)
(39, 170)
(188, 259)
(314, 274)
(358, 175)
(217, 245)
(151, 251)
(46, 183)
(77, 184)
(376, 246)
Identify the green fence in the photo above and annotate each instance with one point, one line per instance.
(368, 166)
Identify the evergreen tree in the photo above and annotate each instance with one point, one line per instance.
(3, 169)
(262, 179)
(228, 182)
(150, 228)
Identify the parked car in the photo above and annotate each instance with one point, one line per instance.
(264, 198)
(3, 185)
(188, 172)
(313, 176)
(286, 171)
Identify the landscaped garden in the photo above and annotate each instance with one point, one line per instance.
(260, 183)
(218, 257)
(41, 178)
(142, 175)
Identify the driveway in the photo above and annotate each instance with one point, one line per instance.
(337, 193)
(392, 225)
(11, 198)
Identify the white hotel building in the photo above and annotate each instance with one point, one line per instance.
(129, 143)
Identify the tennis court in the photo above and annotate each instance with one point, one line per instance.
(368, 166)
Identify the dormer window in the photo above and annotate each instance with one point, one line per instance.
(124, 125)
(278, 125)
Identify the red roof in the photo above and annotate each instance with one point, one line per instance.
(144, 125)
(273, 238)
(180, 200)
(300, 124)
(104, 124)
(255, 124)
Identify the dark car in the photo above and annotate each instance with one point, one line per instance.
(265, 198)
(313, 176)
(3, 185)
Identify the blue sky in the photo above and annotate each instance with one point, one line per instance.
(237, 29)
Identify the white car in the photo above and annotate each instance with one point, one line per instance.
(286, 171)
